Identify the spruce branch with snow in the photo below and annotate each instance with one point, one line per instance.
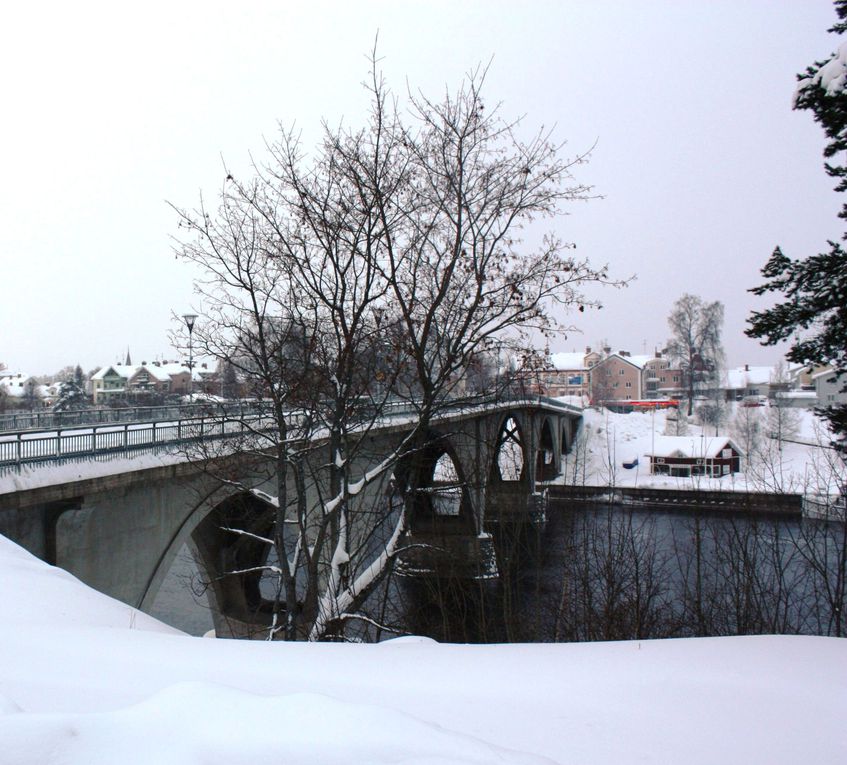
(812, 314)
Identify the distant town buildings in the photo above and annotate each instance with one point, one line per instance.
(126, 381)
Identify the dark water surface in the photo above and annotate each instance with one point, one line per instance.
(598, 572)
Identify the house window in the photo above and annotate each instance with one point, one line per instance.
(628, 384)
(676, 378)
(726, 453)
(621, 371)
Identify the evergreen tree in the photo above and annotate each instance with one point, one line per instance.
(814, 311)
(71, 398)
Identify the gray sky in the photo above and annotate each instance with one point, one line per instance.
(110, 109)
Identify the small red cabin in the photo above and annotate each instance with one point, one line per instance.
(685, 456)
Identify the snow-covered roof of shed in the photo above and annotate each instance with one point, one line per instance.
(691, 446)
(564, 362)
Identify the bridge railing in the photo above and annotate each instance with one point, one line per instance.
(47, 420)
(25, 447)
(28, 447)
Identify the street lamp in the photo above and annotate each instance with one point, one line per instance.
(189, 319)
(378, 313)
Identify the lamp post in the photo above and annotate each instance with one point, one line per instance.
(378, 313)
(189, 319)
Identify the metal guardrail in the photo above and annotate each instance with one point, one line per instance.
(26, 447)
(83, 439)
(48, 420)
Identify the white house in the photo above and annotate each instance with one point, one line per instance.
(828, 388)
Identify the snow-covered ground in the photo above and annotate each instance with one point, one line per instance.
(803, 464)
(87, 680)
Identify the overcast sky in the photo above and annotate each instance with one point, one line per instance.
(112, 109)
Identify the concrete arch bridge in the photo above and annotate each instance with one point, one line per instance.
(478, 467)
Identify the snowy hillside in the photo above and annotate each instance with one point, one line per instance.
(802, 464)
(86, 680)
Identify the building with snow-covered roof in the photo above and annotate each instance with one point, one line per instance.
(685, 456)
(622, 376)
(24, 391)
(828, 387)
(118, 381)
(16, 385)
(567, 374)
(750, 381)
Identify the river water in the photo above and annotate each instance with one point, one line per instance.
(609, 572)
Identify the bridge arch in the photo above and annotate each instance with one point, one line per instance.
(218, 552)
(436, 488)
(510, 461)
(548, 453)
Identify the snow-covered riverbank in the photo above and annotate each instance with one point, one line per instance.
(85, 679)
(804, 464)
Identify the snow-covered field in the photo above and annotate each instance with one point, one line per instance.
(87, 680)
(608, 440)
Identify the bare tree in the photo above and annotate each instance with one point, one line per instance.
(696, 342)
(373, 273)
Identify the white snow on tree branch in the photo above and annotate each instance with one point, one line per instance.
(832, 76)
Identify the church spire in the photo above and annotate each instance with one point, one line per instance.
(128, 359)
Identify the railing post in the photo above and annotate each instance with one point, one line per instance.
(126, 434)
(19, 448)
(94, 440)
(59, 442)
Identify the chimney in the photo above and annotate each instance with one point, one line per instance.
(746, 367)
(587, 349)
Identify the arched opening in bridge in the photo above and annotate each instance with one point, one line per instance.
(233, 544)
(436, 490)
(509, 463)
(546, 468)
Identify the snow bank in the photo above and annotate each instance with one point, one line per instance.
(84, 679)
